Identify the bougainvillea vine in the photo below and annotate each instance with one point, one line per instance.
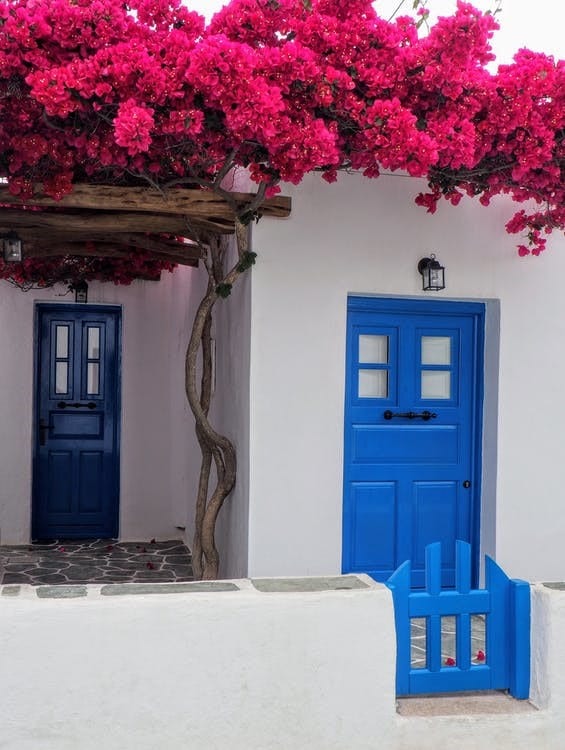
(108, 91)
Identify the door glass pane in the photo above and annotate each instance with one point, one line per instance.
(93, 343)
(61, 377)
(373, 384)
(92, 387)
(373, 349)
(61, 342)
(436, 384)
(436, 350)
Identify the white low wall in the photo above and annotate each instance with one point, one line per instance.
(240, 669)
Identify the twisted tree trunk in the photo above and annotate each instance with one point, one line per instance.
(214, 447)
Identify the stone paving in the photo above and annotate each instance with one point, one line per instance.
(95, 561)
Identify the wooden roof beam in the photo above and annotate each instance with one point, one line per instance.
(103, 221)
(100, 250)
(199, 204)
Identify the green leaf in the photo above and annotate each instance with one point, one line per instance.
(247, 260)
(223, 290)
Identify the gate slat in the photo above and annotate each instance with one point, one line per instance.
(463, 641)
(497, 582)
(399, 583)
(433, 568)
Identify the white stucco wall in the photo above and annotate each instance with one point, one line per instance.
(238, 670)
(361, 236)
(158, 449)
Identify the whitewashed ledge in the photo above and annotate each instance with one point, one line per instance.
(263, 585)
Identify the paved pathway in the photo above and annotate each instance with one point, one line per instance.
(95, 561)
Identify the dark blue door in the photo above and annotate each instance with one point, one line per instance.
(76, 466)
(412, 433)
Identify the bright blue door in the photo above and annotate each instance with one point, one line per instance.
(412, 433)
(76, 475)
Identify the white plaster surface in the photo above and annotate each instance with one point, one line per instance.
(240, 671)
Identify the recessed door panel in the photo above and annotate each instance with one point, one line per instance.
(373, 508)
(402, 443)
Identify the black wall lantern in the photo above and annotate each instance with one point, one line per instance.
(11, 247)
(81, 291)
(433, 274)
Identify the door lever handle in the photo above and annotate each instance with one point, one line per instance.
(424, 415)
(43, 430)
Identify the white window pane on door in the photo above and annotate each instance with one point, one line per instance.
(373, 349)
(436, 350)
(436, 384)
(92, 379)
(373, 384)
(62, 342)
(61, 377)
(93, 348)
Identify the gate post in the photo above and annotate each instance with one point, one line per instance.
(519, 639)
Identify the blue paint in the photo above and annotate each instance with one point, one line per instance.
(404, 478)
(506, 606)
(77, 409)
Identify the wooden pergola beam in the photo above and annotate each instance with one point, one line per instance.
(197, 204)
(181, 252)
(105, 221)
(99, 250)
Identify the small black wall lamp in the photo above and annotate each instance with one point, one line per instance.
(81, 291)
(11, 247)
(433, 274)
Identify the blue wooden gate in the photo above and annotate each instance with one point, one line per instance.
(504, 608)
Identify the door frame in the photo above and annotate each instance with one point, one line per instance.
(418, 306)
(70, 308)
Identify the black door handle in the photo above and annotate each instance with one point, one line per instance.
(43, 430)
(425, 415)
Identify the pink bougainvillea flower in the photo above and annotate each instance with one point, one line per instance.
(449, 662)
(132, 127)
(481, 655)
